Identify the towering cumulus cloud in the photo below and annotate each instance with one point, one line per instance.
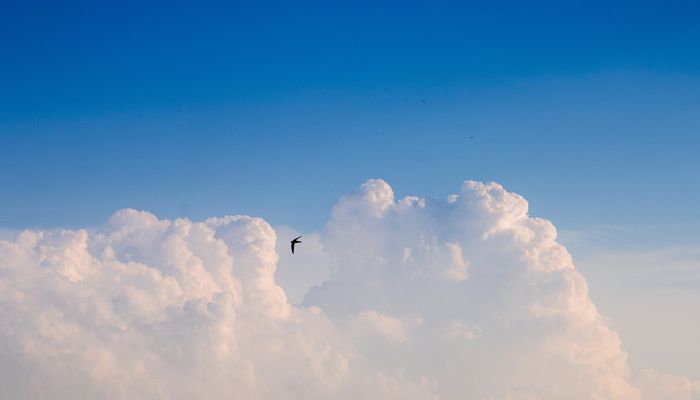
(463, 298)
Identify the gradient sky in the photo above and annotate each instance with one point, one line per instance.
(588, 110)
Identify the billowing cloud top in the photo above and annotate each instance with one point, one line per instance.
(464, 298)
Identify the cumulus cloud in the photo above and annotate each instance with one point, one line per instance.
(463, 298)
(539, 332)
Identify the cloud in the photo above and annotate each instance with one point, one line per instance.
(539, 332)
(458, 330)
(659, 386)
(371, 322)
(463, 298)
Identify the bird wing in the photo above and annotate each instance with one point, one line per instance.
(295, 241)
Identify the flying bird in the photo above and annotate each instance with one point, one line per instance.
(295, 241)
(472, 137)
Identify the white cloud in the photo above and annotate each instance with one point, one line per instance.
(371, 322)
(539, 330)
(659, 386)
(459, 330)
(464, 298)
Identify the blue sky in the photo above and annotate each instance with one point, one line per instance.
(588, 110)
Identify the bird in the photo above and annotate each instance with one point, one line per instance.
(422, 101)
(472, 137)
(295, 241)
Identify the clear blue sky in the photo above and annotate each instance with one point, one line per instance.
(590, 110)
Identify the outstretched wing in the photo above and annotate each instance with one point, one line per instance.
(293, 242)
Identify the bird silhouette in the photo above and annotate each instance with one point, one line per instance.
(295, 241)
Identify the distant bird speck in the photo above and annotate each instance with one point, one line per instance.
(295, 241)
(472, 137)
(422, 101)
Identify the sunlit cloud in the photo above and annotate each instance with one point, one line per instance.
(467, 297)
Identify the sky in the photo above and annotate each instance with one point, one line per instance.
(589, 110)
(199, 109)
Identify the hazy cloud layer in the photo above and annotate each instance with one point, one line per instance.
(463, 298)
